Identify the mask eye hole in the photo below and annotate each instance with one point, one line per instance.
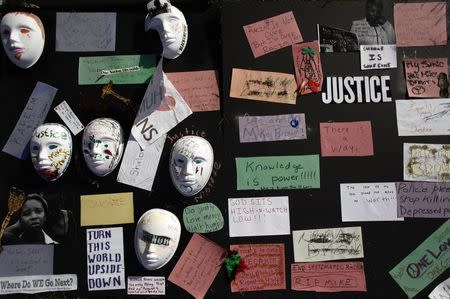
(35, 147)
(6, 32)
(24, 31)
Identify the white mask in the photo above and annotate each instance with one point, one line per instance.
(191, 163)
(51, 150)
(102, 145)
(171, 25)
(23, 38)
(156, 238)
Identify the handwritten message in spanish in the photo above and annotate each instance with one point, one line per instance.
(26, 260)
(272, 127)
(266, 270)
(426, 162)
(272, 34)
(202, 218)
(104, 209)
(422, 76)
(278, 172)
(328, 277)
(146, 285)
(346, 139)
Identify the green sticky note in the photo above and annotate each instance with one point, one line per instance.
(120, 69)
(202, 218)
(425, 263)
(278, 172)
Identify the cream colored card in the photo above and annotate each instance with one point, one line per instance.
(105, 209)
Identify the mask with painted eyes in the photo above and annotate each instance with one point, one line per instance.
(102, 145)
(191, 163)
(156, 238)
(23, 38)
(51, 150)
(171, 26)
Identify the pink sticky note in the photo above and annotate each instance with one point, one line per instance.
(265, 270)
(328, 277)
(345, 139)
(308, 69)
(199, 89)
(420, 24)
(198, 266)
(272, 34)
(422, 76)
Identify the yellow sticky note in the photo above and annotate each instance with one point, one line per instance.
(105, 209)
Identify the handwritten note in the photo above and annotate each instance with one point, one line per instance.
(146, 285)
(346, 139)
(442, 291)
(316, 245)
(104, 209)
(369, 202)
(69, 118)
(266, 270)
(263, 86)
(423, 199)
(38, 284)
(199, 89)
(420, 24)
(422, 76)
(33, 115)
(278, 172)
(272, 127)
(198, 266)
(272, 34)
(426, 162)
(26, 260)
(378, 57)
(308, 68)
(91, 69)
(202, 218)
(425, 263)
(105, 259)
(74, 31)
(328, 277)
(259, 216)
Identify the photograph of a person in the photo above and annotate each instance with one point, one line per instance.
(374, 29)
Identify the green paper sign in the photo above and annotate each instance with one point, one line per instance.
(202, 218)
(425, 263)
(278, 172)
(120, 69)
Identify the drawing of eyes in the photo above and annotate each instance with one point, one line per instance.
(53, 146)
(6, 32)
(24, 31)
(198, 160)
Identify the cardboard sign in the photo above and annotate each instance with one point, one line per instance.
(259, 216)
(369, 202)
(316, 245)
(272, 34)
(346, 139)
(378, 57)
(266, 270)
(423, 200)
(69, 118)
(105, 209)
(442, 291)
(425, 263)
(263, 86)
(422, 76)
(105, 259)
(26, 260)
(426, 162)
(146, 285)
(420, 24)
(272, 127)
(202, 218)
(38, 284)
(308, 68)
(278, 172)
(328, 277)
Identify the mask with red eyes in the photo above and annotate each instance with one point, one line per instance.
(23, 38)
(102, 145)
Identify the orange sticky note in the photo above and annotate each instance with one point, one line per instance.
(346, 139)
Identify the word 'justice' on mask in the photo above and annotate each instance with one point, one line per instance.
(51, 150)
(23, 38)
(102, 145)
(171, 25)
(190, 165)
(156, 238)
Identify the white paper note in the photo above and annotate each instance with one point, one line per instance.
(423, 117)
(442, 291)
(259, 216)
(69, 118)
(32, 116)
(426, 162)
(105, 259)
(369, 202)
(85, 32)
(316, 245)
(146, 285)
(26, 260)
(38, 284)
(377, 57)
